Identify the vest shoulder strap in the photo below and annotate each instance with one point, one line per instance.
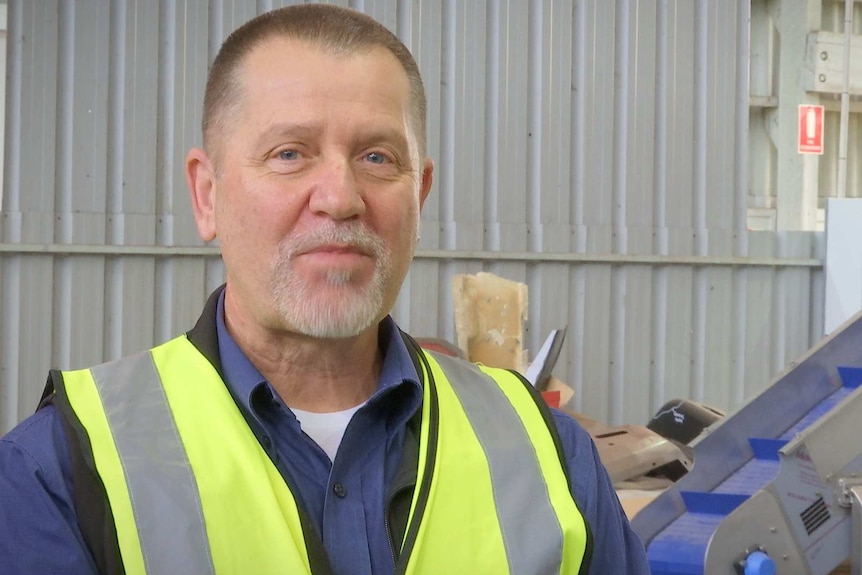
(90, 499)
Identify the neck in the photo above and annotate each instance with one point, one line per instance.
(317, 375)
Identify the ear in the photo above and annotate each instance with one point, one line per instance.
(200, 177)
(427, 179)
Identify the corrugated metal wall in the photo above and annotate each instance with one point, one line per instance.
(593, 149)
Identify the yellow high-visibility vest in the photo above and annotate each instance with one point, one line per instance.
(191, 489)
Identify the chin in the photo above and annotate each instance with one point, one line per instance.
(330, 313)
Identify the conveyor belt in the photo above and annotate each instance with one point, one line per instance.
(771, 486)
(681, 548)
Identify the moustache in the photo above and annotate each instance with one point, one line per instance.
(355, 236)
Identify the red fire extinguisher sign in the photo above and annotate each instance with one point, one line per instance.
(810, 129)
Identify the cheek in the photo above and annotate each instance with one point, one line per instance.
(394, 219)
(402, 228)
(411, 220)
(256, 217)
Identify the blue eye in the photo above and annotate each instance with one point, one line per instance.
(288, 155)
(376, 158)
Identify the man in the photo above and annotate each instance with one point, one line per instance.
(295, 428)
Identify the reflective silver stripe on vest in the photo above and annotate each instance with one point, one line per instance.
(165, 498)
(531, 533)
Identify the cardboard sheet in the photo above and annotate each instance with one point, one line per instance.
(489, 319)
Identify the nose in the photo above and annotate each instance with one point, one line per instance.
(336, 191)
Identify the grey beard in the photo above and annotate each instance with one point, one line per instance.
(350, 311)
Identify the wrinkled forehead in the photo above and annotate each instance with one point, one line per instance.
(279, 54)
(281, 68)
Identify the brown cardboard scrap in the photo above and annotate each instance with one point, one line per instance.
(489, 319)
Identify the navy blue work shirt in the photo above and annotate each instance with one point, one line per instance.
(39, 531)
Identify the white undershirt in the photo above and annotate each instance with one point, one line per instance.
(326, 429)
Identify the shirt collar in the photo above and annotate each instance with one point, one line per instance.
(243, 378)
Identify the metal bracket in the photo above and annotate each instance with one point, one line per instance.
(825, 63)
(850, 495)
(845, 487)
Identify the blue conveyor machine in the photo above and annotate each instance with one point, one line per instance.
(776, 488)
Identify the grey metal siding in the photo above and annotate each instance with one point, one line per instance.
(595, 148)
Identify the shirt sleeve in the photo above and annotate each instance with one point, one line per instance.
(38, 527)
(616, 547)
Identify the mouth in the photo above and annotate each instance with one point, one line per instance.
(335, 255)
(335, 249)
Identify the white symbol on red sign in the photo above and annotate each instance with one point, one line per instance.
(810, 129)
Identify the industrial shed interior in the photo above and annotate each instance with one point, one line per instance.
(670, 187)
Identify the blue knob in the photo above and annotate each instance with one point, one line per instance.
(759, 563)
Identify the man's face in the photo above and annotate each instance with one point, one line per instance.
(319, 187)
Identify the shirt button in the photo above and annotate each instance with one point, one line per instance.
(339, 490)
(266, 442)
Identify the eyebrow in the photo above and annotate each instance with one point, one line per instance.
(374, 135)
(397, 137)
(282, 130)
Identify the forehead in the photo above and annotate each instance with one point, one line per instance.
(286, 84)
(294, 68)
